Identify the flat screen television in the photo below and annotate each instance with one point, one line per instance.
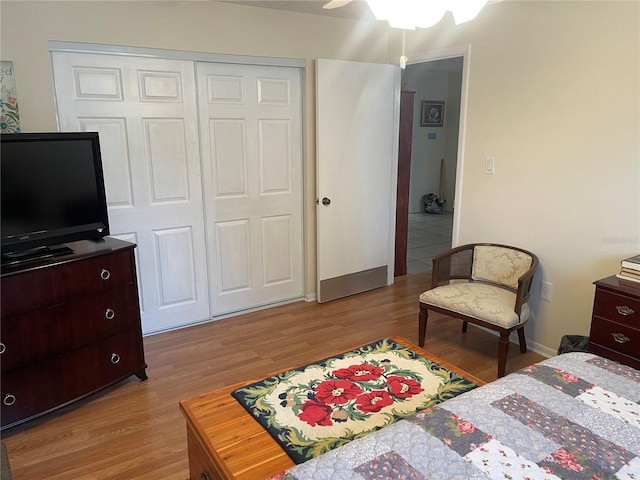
(51, 193)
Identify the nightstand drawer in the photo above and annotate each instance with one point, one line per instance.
(615, 336)
(619, 308)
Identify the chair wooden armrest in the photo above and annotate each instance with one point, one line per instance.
(524, 284)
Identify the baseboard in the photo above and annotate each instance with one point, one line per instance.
(533, 346)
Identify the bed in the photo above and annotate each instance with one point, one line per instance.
(573, 416)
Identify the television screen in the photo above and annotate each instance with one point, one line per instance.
(52, 190)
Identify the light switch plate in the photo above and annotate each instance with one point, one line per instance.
(489, 165)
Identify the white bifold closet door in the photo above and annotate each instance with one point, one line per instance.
(146, 112)
(250, 129)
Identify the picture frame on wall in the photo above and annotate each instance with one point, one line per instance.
(432, 113)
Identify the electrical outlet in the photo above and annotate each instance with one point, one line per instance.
(546, 291)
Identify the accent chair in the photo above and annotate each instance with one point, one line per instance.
(485, 284)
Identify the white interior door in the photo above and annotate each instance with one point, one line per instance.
(250, 129)
(357, 108)
(145, 112)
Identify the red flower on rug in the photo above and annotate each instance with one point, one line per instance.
(367, 388)
(373, 401)
(337, 391)
(402, 387)
(359, 373)
(315, 413)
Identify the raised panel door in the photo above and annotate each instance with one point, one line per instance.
(250, 128)
(145, 112)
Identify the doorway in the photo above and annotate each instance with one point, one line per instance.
(434, 158)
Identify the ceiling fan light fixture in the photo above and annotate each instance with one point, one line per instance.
(425, 14)
(465, 10)
(409, 14)
(381, 9)
(335, 4)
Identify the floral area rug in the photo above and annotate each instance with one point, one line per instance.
(323, 405)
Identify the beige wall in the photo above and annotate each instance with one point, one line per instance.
(553, 96)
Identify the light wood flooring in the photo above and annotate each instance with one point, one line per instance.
(134, 430)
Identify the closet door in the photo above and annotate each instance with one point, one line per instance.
(250, 131)
(145, 112)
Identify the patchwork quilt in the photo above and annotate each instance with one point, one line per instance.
(574, 416)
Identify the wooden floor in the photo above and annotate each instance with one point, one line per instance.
(134, 430)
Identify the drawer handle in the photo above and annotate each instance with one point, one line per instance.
(204, 476)
(620, 337)
(109, 314)
(2, 348)
(115, 358)
(105, 274)
(9, 399)
(624, 310)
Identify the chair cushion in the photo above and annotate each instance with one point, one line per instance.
(484, 302)
(499, 265)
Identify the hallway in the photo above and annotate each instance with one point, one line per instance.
(429, 234)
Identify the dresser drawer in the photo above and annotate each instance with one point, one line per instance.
(35, 336)
(620, 308)
(615, 336)
(70, 376)
(61, 283)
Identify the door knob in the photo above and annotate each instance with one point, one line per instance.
(326, 201)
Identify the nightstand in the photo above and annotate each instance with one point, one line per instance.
(615, 323)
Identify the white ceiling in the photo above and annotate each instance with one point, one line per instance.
(354, 10)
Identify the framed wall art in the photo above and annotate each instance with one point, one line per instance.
(432, 114)
(9, 117)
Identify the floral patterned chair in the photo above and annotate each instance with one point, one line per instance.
(484, 284)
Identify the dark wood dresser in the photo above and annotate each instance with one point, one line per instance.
(615, 324)
(70, 326)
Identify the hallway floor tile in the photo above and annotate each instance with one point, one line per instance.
(429, 234)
